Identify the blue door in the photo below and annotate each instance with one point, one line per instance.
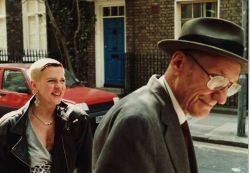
(114, 51)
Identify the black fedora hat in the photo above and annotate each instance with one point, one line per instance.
(212, 35)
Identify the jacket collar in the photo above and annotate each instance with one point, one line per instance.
(171, 127)
(63, 110)
(20, 124)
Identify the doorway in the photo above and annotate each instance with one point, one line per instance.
(113, 51)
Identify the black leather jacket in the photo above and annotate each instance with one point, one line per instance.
(72, 143)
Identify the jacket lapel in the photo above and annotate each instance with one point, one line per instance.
(17, 136)
(192, 157)
(174, 140)
(171, 128)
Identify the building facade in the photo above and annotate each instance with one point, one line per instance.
(145, 23)
(122, 26)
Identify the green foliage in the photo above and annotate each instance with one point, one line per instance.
(66, 18)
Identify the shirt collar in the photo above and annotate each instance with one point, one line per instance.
(180, 113)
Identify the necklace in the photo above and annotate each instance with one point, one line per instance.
(44, 123)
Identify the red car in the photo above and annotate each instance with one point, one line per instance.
(15, 91)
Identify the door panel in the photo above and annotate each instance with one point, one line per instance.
(114, 51)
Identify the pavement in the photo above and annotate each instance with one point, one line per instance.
(220, 129)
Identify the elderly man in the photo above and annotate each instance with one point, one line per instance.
(147, 132)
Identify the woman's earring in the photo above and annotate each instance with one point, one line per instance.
(37, 101)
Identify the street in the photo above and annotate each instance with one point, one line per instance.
(213, 158)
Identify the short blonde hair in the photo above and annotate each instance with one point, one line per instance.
(38, 66)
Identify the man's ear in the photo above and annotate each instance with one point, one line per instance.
(177, 61)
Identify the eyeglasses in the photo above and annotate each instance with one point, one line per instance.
(218, 82)
(51, 65)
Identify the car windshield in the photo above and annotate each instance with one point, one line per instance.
(71, 80)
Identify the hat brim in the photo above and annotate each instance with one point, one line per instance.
(169, 46)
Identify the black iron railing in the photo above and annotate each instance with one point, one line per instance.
(139, 68)
(24, 56)
(30, 56)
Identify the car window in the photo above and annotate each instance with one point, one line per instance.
(13, 80)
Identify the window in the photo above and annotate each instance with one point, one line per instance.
(113, 11)
(14, 81)
(198, 9)
(3, 31)
(188, 9)
(34, 25)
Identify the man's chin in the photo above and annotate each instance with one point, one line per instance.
(199, 114)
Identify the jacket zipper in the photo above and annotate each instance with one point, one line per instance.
(65, 155)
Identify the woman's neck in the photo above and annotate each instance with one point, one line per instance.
(44, 111)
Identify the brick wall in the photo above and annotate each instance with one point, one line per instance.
(145, 28)
(231, 10)
(148, 22)
(91, 81)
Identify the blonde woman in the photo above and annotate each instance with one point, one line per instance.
(46, 134)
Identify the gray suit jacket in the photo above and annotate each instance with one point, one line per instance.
(142, 134)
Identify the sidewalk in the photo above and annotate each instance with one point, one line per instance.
(218, 128)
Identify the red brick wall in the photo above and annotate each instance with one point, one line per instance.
(91, 80)
(144, 27)
(231, 10)
(91, 63)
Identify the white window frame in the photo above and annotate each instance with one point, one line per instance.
(4, 32)
(177, 24)
(37, 13)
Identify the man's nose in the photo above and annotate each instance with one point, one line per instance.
(220, 96)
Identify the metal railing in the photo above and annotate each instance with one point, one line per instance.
(25, 56)
(139, 68)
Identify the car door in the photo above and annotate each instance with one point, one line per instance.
(14, 91)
